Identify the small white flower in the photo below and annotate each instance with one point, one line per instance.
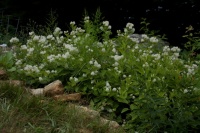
(86, 18)
(75, 79)
(145, 64)
(154, 80)
(47, 71)
(185, 91)
(115, 64)
(19, 62)
(101, 28)
(92, 81)
(84, 75)
(103, 49)
(110, 110)
(31, 33)
(91, 62)
(107, 89)
(93, 73)
(40, 78)
(71, 78)
(107, 83)
(114, 89)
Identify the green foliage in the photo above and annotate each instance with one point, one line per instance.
(144, 88)
(145, 28)
(192, 46)
(6, 60)
(7, 30)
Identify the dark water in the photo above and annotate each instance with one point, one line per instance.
(169, 17)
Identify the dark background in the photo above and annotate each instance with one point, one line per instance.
(170, 17)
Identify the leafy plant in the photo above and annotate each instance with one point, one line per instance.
(145, 28)
(144, 88)
(192, 45)
(6, 60)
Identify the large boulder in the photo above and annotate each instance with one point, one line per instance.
(161, 43)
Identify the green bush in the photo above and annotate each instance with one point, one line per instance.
(143, 88)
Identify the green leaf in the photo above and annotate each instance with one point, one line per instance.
(133, 107)
(124, 110)
(134, 116)
(12, 69)
(119, 99)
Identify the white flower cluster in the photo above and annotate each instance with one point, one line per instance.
(156, 56)
(76, 31)
(86, 19)
(72, 23)
(31, 69)
(173, 52)
(59, 39)
(108, 86)
(105, 25)
(43, 52)
(153, 39)
(145, 64)
(117, 57)
(94, 73)
(74, 79)
(129, 28)
(40, 39)
(36, 38)
(32, 33)
(136, 40)
(70, 47)
(30, 51)
(144, 36)
(18, 62)
(95, 63)
(23, 47)
(191, 69)
(175, 49)
(57, 31)
(66, 55)
(14, 40)
(52, 58)
(50, 37)
(129, 25)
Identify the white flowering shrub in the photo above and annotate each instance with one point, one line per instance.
(143, 88)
